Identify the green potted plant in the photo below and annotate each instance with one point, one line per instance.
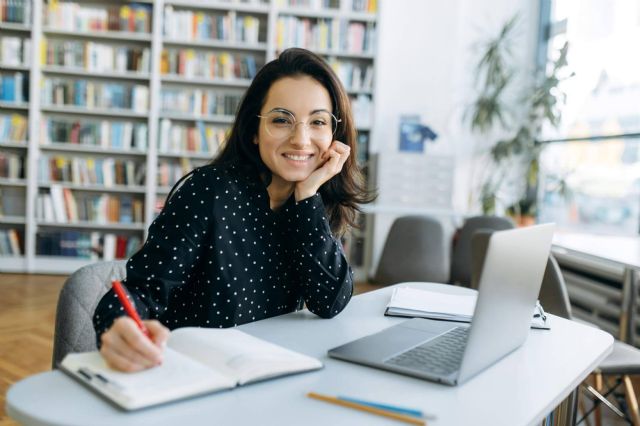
(513, 161)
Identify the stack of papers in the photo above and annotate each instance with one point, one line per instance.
(417, 303)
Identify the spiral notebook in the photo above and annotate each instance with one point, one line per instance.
(418, 303)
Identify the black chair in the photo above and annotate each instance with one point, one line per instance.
(414, 250)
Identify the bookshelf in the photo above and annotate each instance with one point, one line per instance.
(106, 104)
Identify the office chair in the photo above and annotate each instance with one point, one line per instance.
(623, 361)
(414, 251)
(461, 258)
(77, 301)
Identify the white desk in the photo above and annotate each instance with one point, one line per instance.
(521, 389)
(621, 251)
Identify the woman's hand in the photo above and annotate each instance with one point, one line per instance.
(126, 348)
(335, 157)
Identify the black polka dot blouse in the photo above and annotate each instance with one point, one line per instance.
(218, 256)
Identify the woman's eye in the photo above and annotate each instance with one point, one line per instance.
(281, 121)
(318, 123)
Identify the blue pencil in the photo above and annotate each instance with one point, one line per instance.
(392, 408)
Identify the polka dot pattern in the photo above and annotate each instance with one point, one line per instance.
(218, 256)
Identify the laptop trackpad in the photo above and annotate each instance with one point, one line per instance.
(386, 343)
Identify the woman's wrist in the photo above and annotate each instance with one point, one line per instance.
(303, 193)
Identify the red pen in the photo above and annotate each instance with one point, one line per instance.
(128, 307)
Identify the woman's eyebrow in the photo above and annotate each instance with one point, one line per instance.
(279, 109)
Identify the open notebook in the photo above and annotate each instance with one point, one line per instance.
(196, 361)
(418, 303)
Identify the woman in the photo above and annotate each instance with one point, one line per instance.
(251, 235)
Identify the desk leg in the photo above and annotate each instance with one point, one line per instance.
(628, 314)
(566, 412)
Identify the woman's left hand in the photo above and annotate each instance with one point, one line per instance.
(335, 157)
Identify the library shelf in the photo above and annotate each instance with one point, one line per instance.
(13, 182)
(15, 105)
(132, 189)
(108, 226)
(101, 35)
(14, 144)
(104, 112)
(188, 154)
(13, 220)
(205, 81)
(94, 149)
(11, 67)
(217, 44)
(120, 75)
(13, 263)
(8, 26)
(192, 117)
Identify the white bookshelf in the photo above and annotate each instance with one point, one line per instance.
(157, 80)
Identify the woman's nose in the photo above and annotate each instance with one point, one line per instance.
(300, 134)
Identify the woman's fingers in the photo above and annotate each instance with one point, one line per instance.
(159, 333)
(127, 348)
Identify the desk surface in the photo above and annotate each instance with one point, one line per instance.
(519, 390)
(624, 251)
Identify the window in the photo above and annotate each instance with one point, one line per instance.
(590, 164)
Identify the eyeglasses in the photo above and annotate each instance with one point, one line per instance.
(282, 124)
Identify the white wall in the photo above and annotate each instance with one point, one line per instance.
(425, 65)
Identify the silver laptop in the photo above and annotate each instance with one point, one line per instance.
(451, 353)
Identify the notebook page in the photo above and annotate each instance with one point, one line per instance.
(178, 376)
(249, 357)
(433, 301)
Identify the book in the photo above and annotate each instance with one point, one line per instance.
(196, 361)
(419, 303)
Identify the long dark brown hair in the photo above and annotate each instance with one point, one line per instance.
(342, 193)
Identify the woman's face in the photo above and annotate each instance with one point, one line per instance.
(295, 127)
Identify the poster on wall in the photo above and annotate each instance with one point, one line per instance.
(414, 134)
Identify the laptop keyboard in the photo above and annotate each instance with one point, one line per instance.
(440, 356)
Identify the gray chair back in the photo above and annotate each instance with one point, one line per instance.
(553, 291)
(415, 250)
(78, 300)
(461, 259)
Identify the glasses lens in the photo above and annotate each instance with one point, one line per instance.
(279, 124)
(322, 125)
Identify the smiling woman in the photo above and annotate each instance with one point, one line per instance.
(255, 233)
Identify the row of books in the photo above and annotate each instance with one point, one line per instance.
(62, 205)
(201, 138)
(325, 34)
(352, 75)
(169, 172)
(104, 133)
(199, 102)
(13, 128)
(94, 94)
(87, 245)
(14, 87)
(197, 63)
(70, 16)
(90, 171)
(15, 11)
(12, 201)
(12, 166)
(15, 51)
(92, 56)
(10, 242)
(369, 6)
(197, 25)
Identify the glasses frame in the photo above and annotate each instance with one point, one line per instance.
(296, 122)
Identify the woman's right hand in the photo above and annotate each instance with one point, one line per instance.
(126, 348)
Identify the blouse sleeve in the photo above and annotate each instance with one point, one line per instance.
(168, 256)
(321, 268)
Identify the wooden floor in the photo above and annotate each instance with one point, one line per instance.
(27, 317)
